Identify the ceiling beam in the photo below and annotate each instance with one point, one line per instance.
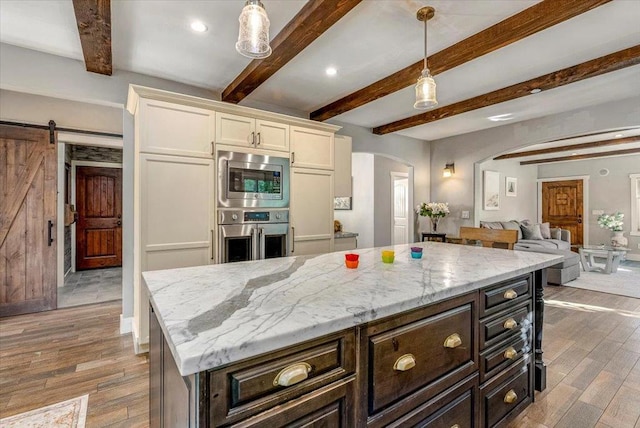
(584, 156)
(530, 21)
(93, 18)
(315, 17)
(569, 147)
(596, 67)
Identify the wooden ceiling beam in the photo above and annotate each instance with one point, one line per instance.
(530, 21)
(596, 67)
(569, 147)
(584, 156)
(315, 17)
(93, 18)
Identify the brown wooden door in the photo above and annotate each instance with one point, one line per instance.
(99, 227)
(562, 207)
(27, 221)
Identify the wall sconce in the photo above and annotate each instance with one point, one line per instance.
(449, 170)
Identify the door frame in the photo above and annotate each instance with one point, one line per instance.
(585, 201)
(393, 175)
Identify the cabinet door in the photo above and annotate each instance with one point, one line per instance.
(235, 130)
(176, 206)
(272, 136)
(173, 129)
(311, 148)
(342, 165)
(311, 210)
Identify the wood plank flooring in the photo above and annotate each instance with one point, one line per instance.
(591, 342)
(53, 356)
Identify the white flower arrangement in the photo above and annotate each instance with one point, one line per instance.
(433, 209)
(612, 222)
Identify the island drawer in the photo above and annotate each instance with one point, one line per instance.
(504, 295)
(249, 387)
(502, 355)
(506, 394)
(505, 324)
(406, 358)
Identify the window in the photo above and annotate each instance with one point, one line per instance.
(635, 204)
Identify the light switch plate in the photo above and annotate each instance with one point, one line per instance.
(465, 214)
(597, 212)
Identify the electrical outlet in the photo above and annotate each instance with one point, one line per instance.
(465, 214)
(597, 212)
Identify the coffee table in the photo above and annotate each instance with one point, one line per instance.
(612, 255)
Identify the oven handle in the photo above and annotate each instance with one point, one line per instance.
(260, 243)
(293, 239)
(212, 245)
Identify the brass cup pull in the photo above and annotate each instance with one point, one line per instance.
(510, 294)
(404, 363)
(290, 375)
(455, 426)
(453, 341)
(510, 397)
(510, 353)
(510, 324)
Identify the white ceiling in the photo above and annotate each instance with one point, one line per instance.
(375, 39)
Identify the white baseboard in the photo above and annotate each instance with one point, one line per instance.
(634, 257)
(126, 324)
(140, 345)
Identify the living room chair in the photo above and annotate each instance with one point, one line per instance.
(491, 238)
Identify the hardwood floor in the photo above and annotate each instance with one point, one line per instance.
(53, 356)
(591, 342)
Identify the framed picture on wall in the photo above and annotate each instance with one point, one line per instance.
(491, 190)
(511, 186)
(342, 203)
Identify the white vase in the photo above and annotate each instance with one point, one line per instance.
(618, 240)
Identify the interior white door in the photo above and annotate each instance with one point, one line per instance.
(400, 204)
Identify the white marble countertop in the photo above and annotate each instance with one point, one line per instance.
(219, 314)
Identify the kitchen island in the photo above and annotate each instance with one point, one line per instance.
(303, 340)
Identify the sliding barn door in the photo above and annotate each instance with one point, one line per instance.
(27, 221)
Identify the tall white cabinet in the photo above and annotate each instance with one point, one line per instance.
(176, 137)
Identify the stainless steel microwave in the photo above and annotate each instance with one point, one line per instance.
(248, 180)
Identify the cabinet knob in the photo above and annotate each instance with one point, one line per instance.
(453, 341)
(510, 353)
(510, 294)
(405, 362)
(290, 375)
(510, 324)
(510, 397)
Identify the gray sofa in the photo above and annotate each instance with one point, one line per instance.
(560, 243)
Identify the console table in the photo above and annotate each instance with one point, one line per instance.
(612, 256)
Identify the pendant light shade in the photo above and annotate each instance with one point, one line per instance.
(426, 86)
(253, 37)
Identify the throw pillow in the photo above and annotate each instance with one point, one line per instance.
(491, 224)
(512, 225)
(545, 230)
(556, 233)
(531, 231)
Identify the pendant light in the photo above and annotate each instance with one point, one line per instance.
(426, 86)
(253, 38)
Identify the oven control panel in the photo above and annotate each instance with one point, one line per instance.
(239, 216)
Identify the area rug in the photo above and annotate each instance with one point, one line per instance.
(67, 414)
(624, 282)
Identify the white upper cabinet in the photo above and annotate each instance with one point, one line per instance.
(311, 148)
(243, 131)
(176, 130)
(342, 177)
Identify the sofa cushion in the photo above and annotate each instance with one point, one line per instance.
(491, 225)
(570, 258)
(556, 233)
(545, 229)
(560, 244)
(533, 244)
(512, 225)
(531, 231)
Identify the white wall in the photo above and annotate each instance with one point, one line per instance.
(467, 149)
(383, 166)
(610, 193)
(524, 205)
(360, 219)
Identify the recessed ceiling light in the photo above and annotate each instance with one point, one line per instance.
(198, 27)
(618, 135)
(535, 90)
(331, 71)
(501, 117)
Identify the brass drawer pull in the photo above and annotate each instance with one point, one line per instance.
(510, 324)
(404, 363)
(290, 375)
(510, 353)
(510, 397)
(453, 341)
(510, 294)
(455, 426)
